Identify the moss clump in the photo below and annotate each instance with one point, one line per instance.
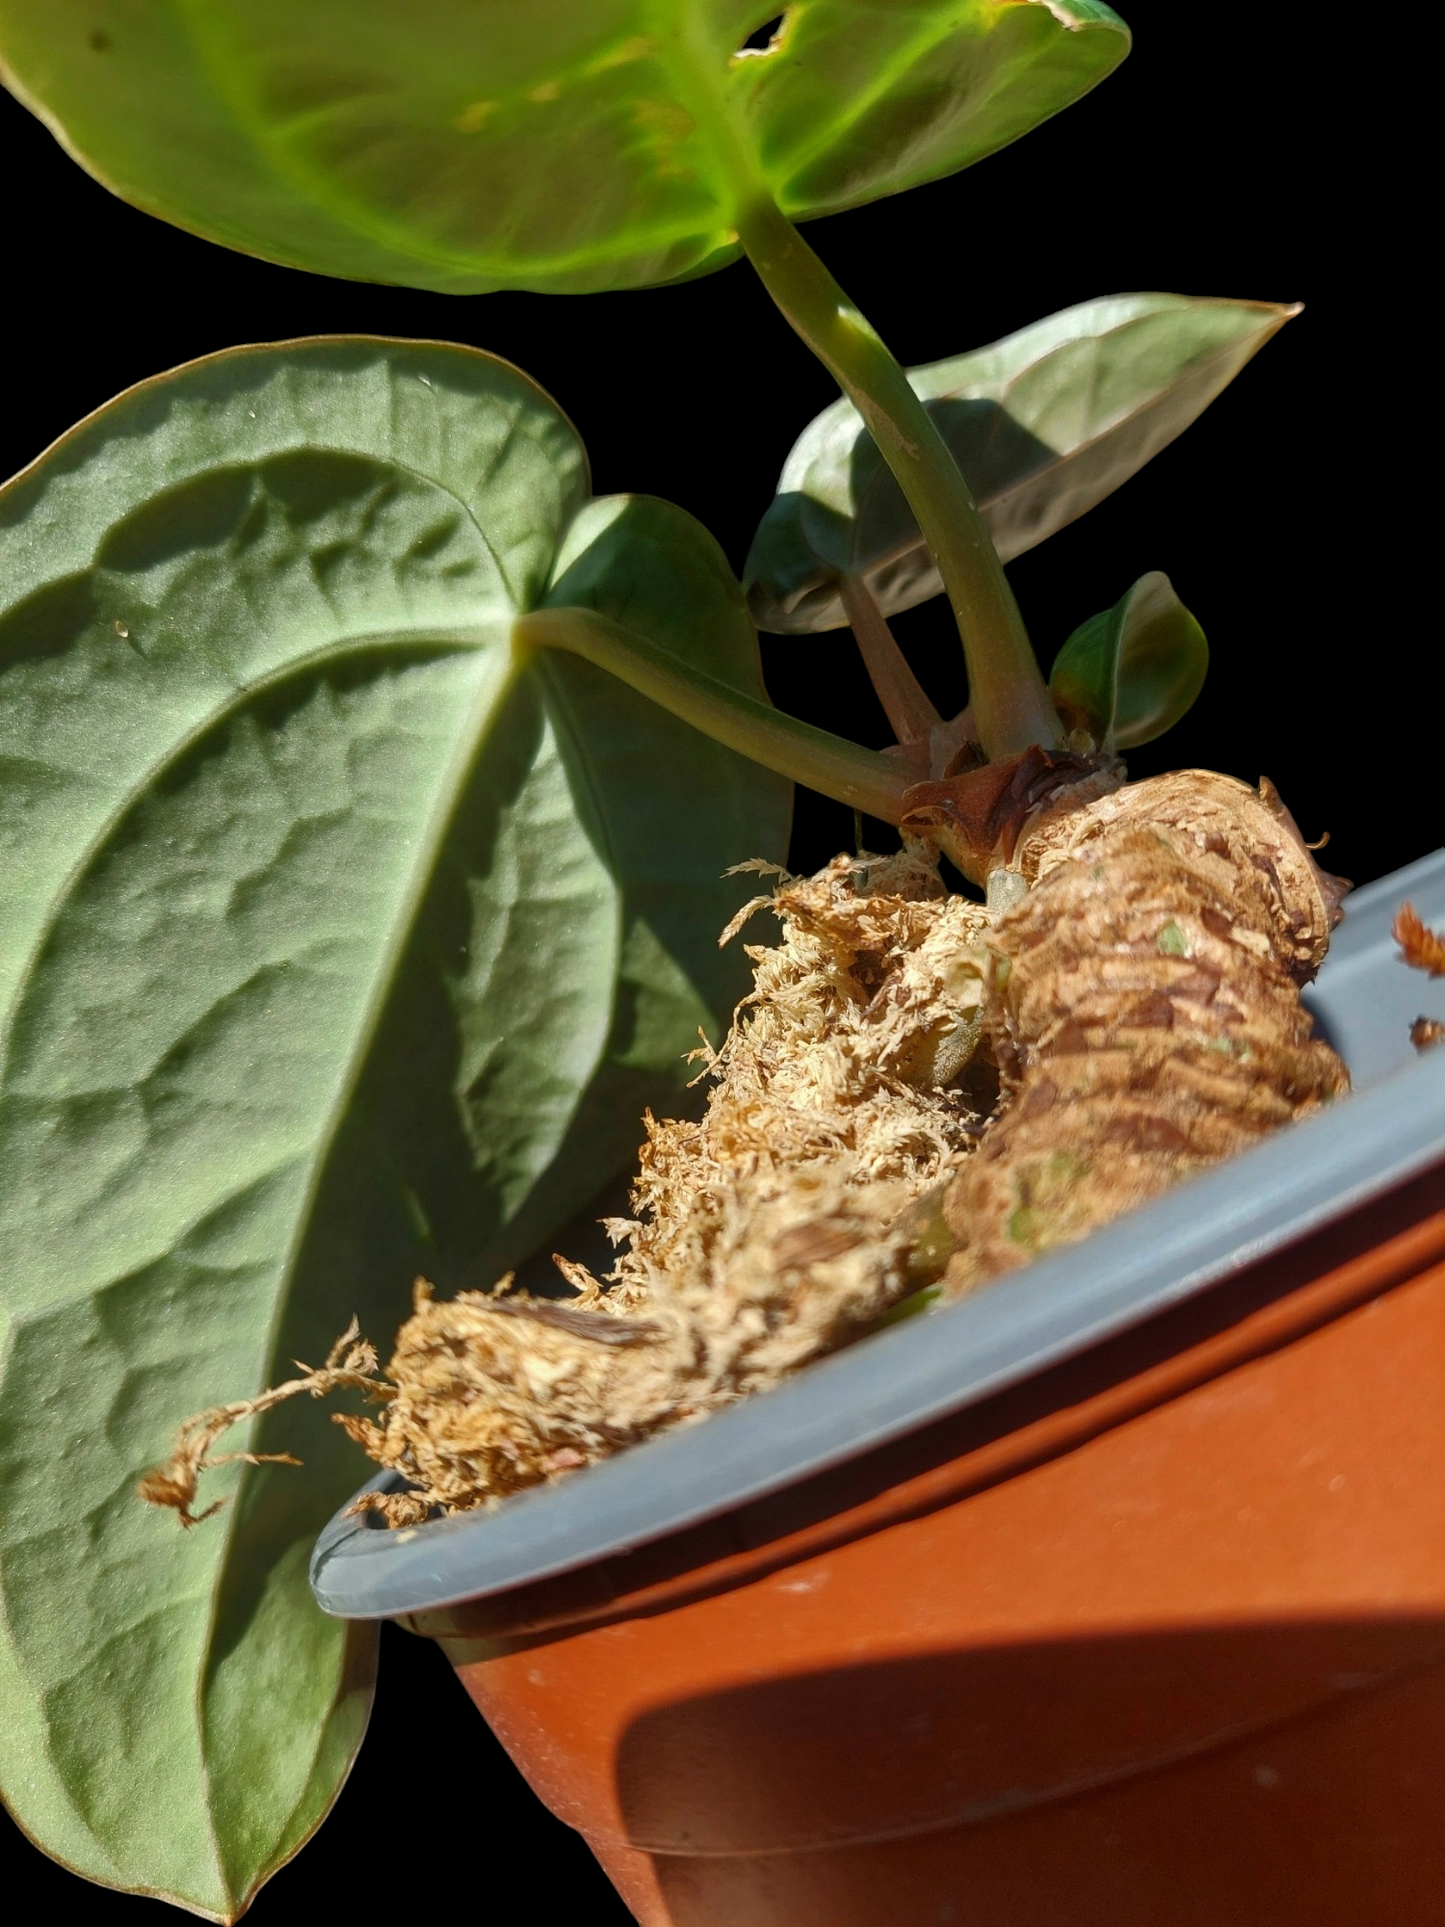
(916, 1089)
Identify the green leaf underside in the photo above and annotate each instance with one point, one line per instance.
(341, 942)
(1044, 425)
(564, 145)
(1129, 674)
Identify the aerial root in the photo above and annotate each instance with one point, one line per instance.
(351, 1362)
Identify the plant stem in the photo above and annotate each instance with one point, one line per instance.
(1009, 698)
(864, 779)
(905, 702)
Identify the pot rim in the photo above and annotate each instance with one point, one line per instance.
(905, 1377)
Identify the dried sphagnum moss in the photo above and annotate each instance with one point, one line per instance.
(779, 1226)
(1139, 996)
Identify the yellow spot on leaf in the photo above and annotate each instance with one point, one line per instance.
(625, 52)
(664, 119)
(472, 119)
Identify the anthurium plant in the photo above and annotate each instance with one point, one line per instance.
(373, 793)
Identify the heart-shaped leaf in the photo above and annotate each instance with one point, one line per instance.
(551, 144)
(342, 940)
(1126, 676)
(1044, 425)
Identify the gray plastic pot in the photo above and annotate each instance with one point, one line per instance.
(1114, 1592)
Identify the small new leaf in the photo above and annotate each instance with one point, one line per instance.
(1126, 676)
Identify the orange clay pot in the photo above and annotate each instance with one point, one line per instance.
(1156, 1637)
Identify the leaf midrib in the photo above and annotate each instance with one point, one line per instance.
(320, 190)
(470, 741)
(458, 640)
(689, 77)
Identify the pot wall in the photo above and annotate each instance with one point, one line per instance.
(1249, 1835)
(1156, 1637)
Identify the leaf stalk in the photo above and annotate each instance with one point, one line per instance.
(911, 715)
(1009, 697)
(863, 779)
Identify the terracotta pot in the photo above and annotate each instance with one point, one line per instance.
(1143, 1623)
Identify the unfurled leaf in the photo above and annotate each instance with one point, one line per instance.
(1044, 425)
(341, 941)
(554, 144)
(1126, 676)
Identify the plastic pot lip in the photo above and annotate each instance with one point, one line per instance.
(1391, 1128)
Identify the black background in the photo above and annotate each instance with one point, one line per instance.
(1206, 165)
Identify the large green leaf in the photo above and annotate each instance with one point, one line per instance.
(1044, 425)
(554, 144)
(341, 940)
(1129, 674)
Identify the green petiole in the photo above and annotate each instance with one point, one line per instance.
(1009, 698)
(907, 705)
(862, 778)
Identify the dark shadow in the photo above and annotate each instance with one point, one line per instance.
(802, 544)
(951, 1738)
(204, 512)
(1320, 1027)
(50, 622)
(994, 451)
(1259, 1774)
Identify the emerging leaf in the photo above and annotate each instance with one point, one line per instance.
(342, 941)
(1126, 676)
(562, 145)
(1044, 425)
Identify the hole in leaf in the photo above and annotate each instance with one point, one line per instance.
(763, 39)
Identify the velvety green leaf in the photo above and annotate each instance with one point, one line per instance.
(1044, 424)
(341, 941)
(1129, 674)
(553, 144)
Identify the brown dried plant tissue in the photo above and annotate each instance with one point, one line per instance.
(914, 1087)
